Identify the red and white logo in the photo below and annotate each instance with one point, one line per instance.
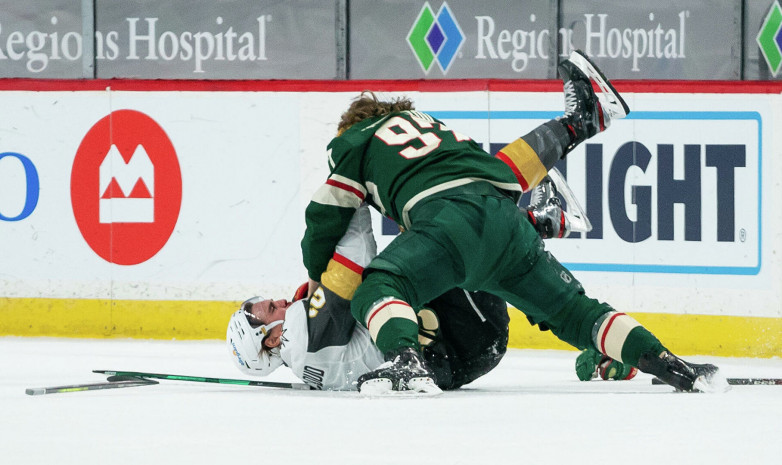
(126, 187)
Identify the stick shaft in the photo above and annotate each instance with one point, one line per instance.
(743, 381)
(88, 387)
(200, 379)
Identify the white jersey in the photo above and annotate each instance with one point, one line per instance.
(327, 361)
(321, 341)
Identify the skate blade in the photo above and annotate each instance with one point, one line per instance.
(424, 387)
(715, 383)
(612, 102)
(575, 214)
(384, 387)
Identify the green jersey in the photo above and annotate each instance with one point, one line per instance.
(393, 162)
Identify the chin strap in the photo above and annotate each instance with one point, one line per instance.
(264, 329)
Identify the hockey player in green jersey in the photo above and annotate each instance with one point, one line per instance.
(464, 230)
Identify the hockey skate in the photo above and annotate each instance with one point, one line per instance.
(684, 376)
(546, 213)
(588, 113)
(404, 372)
(591, 364)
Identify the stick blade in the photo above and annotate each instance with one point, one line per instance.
(133, 382)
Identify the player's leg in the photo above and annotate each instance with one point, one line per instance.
(470, 339)
(548, 293)
(586, 114)
(449, 244)
(381, 304)
(409, 272)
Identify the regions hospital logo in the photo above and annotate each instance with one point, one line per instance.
(770, 38)
(435, 38)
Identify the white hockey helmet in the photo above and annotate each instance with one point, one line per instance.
(245, 336)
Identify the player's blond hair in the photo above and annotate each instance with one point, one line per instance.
(367, 105)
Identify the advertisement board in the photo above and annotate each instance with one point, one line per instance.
(141, 198)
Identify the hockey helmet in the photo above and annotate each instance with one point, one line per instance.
(245, 337)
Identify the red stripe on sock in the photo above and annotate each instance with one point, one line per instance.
(377, 310)
(605, 333)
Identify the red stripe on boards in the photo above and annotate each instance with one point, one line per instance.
(423, 85)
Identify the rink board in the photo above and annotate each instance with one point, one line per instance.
(149, 209)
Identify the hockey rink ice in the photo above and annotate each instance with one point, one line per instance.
(531, 410)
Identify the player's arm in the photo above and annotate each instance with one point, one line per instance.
(329, 213)
(326, 224)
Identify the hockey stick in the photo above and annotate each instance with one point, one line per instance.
(741, 381)
(121, 382)
(199, 379)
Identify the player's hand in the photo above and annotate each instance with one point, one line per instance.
(312, 286)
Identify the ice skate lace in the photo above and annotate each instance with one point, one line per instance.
(571, 100)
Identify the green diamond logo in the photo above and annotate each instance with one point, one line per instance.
(769, 38)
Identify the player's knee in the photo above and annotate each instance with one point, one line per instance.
(574, 324)
(377, 284)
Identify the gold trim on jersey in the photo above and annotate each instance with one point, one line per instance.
(340, 279)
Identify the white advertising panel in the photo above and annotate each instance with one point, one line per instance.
(200, 195)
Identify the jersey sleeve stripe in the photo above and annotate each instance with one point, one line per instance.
(342, 277)
(349, 184)
(338, 195)
(524, 162)
(523, 182)
(347, 263)
(346, 187)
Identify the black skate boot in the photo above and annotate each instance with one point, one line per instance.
(585, 113)
(684, 376)
(404, 370)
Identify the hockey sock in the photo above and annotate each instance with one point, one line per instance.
(534, 154)
(378, 305)
(392, 323)
(622, 338)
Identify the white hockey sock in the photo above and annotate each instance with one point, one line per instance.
(610, 333)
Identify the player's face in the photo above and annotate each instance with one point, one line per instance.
(268, 311)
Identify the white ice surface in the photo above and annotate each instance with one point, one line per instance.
(530, 410)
